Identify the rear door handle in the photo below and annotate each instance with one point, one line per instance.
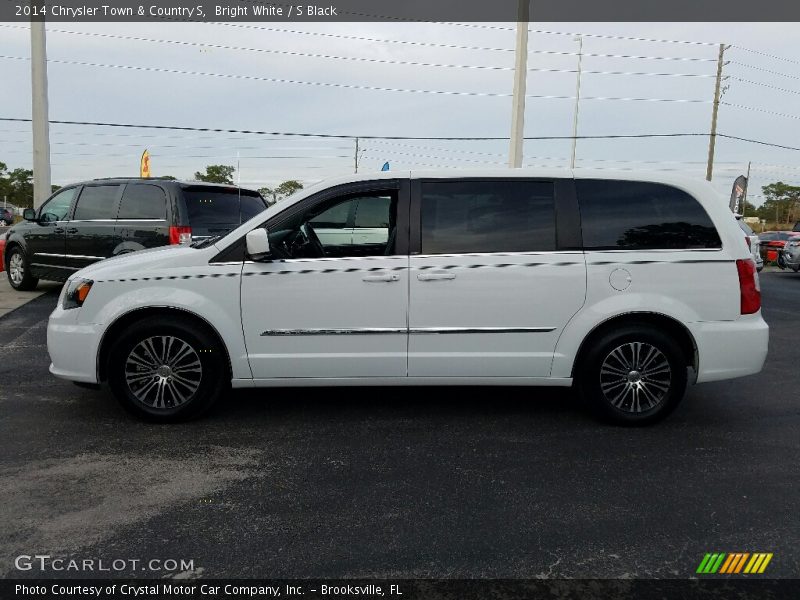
(435, 276)
(387, 277)
(58, 230)
(72, 230)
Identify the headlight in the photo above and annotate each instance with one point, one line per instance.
(77, 291)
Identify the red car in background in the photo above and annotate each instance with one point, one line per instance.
(772, 242)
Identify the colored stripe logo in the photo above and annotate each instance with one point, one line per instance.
(734, 563)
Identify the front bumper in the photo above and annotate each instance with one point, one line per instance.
(729, 349)
(792, 258)
(72, 346)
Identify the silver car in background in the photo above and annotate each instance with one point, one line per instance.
(752, 242)
(791, 254)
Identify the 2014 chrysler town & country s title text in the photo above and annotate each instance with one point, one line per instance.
(627, 286)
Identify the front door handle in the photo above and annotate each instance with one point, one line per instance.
(388, 277)
(72, 230)
(58, 230)
(435, 276)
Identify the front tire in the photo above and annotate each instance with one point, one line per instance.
(18, 270)
(167, 370)
(635, 375)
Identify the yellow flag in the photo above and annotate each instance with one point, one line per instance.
(144, 167)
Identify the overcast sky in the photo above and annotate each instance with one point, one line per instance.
(97, 93)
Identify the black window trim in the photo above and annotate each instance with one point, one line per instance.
(235, 252)
(566, 217)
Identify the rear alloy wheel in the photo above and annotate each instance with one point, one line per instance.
(634, 376)
(167, 370)
(18, 272)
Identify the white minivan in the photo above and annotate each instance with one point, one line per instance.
(627, 286)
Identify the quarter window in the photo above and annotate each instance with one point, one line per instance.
(143, 202)
(487, 216)
(57, 208)
(96, 202)
(634, 215)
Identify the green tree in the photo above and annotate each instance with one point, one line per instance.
(284, 190)
(287, 188)
(781, 204)
(216, 174)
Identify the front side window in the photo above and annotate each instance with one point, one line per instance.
(334, 229)
(487, 216)
(57, 208)
(141, 201)
(96, 202)
(635, 215)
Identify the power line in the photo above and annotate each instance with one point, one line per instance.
(622, 37)
(766, 85)
(761, 110)
(741, 64)
(353, 136)
(768, 55)
(264, 79)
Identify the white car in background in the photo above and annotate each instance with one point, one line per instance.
(753, 242)
(626, 286)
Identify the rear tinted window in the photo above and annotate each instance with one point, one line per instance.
(143, 202)
(487, 216)
(638, 215)
(745, 227)
(215, 211)
(96, 202)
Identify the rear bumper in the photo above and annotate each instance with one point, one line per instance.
(729, 349)
(72, 346)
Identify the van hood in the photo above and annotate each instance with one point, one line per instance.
(146, 263)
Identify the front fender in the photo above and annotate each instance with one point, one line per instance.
(213, 299)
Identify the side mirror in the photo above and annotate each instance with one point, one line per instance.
(257, 242)
(29, 214)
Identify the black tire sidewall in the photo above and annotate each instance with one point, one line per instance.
(588, 374)
(28, 281)
(215, 374)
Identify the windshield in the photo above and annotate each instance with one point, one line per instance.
(216, 211)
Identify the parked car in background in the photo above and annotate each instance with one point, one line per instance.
(87, 222)
(627, 286)
(6, 216)
(791, 254)
(772, 242)
(753, 242)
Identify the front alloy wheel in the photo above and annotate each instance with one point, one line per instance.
(18, 273)
(163, 371)
(168, 368)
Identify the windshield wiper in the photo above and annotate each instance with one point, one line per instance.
(205, 242)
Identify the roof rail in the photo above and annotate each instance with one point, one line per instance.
(131, 177)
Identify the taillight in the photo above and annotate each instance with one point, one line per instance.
(749, 287)
(180, 235)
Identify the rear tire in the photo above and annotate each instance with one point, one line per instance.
(634, 375)
(167, 370)
(18, 270)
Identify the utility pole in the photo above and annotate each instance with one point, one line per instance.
(355, 158)
(577, 103)
(40, 114)
(520, 81)
(712, 141)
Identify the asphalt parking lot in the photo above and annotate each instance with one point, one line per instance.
(444, 482)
